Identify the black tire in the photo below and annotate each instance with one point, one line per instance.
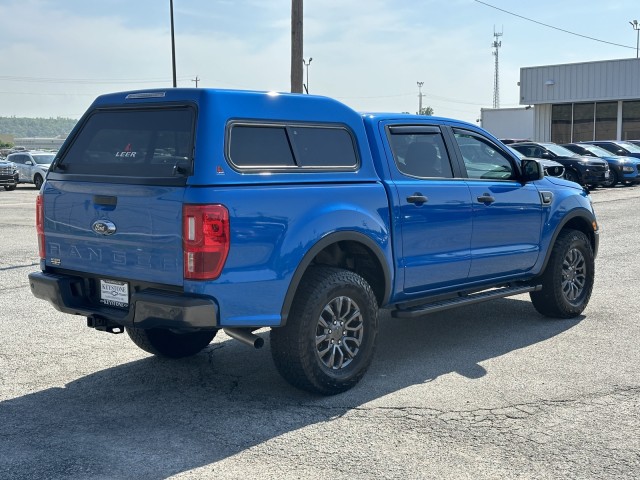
(612, 180)
(10, 187)
(330, 337)
(571, 176)
(37, 181)
(167, 343)
(567, 281)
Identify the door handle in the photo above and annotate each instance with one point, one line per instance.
(417, 198)
(486, 198)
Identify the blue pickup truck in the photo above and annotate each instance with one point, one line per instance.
(172, 214)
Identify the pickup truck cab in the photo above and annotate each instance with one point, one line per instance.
(172, 214)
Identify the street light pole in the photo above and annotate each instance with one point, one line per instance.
(636, 27)
(306, 65)
(420, 84)
(173, 47)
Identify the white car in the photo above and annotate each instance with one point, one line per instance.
(32, 166)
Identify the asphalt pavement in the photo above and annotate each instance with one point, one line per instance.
(490, 391)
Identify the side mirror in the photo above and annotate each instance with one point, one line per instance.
(531, 170)
(546, 155)
(28, 162)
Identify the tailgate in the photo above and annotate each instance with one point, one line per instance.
(131, 232)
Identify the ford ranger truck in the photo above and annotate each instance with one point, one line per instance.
(174, 214)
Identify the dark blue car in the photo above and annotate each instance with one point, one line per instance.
(622, 169)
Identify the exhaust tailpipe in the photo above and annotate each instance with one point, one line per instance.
(245, 336)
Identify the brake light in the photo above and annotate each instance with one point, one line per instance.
(205, 240)
(40, 225)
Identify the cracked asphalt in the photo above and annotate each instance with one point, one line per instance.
(490, 391)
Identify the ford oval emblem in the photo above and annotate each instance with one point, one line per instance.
(104, 227)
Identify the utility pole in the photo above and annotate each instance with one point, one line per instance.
(496, 76)
(636, 27)
(173, 46)
(196, 80)
(296, 46)
(420, 95)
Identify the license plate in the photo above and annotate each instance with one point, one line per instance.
(114, 293)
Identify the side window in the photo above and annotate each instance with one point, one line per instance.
(275, 146)
(261, 146)
(420, 152)
(482, 158)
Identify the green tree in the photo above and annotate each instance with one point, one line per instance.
(425, 111)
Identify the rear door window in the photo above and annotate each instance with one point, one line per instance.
(153, 142)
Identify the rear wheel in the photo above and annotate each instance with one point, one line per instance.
(167, 343)
(567, 281)
(37, 181)
(10, 187)
(329, 340)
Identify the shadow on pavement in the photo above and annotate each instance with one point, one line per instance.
(154, 418)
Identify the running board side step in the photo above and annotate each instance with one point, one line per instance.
(462, 300)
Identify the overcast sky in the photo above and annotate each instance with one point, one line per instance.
(56, 56)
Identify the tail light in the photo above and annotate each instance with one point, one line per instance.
(205, 240)
(40, 225)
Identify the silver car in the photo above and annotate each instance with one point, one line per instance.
(32, 166)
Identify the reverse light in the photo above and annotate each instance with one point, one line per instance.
(205, 240)
(40, 225)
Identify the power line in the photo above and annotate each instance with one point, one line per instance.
(83, 81)
(551, 26)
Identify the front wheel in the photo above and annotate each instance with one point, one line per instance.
(612, 180)
(167, 343)
(329, 340)
(571, 176)
(567, 281)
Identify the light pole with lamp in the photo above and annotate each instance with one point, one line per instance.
(306, 65)
(636, 27)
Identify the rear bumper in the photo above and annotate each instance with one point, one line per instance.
(147, 308)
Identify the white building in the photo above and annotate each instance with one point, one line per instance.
(582, 101)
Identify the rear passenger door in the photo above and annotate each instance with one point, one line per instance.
(433, 209)
(507, 214)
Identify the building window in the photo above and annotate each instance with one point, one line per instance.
(561, 123)
(630, 120)
(582, 122)
(606, 120)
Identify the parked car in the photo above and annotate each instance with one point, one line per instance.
(587, 171)
(618, 147)
(635, 142)
(551, 168)
(8, 175)
(625, 170)
(32, 166)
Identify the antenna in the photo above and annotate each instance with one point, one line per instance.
(496, 75)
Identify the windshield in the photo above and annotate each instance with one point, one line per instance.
(43, 159)
(558, 150)
(597, 151)
(630, 147)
